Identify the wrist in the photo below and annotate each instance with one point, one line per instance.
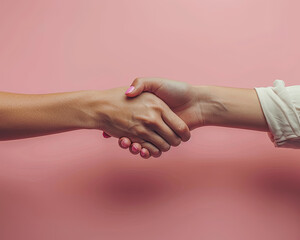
(90, 110)
(209, 105)
(231, 107)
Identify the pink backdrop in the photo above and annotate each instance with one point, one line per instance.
(222, 184)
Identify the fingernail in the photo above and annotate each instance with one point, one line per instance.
(105, 135)
(134, 148)
(129, 90)
(143, 154)
(123, 144)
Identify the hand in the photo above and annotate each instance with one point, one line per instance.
(145, 120)
(181, 97)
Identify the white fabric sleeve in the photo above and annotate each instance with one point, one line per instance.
(281, 107)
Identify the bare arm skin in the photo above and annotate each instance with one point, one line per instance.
(146, 119)
(231, 107)
(202, 106)
(29, 115)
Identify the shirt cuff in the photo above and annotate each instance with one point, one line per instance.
(281, 107)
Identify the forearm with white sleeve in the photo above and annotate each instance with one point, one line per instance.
(281, 107)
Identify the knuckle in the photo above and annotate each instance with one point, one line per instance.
(136, 139)
(143, 134)
(152, 101)
(150, 121)
(158, 106)
(140, 132)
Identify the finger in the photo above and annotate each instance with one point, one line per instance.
(105, 135)
(145, 153)
(151, 150)
(176, 124)
(152, 137)
(124, 142)
(140, 85)
(167, 134)
(135, 148)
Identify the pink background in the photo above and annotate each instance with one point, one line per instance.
(222, 184)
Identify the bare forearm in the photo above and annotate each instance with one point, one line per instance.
(232, 107)
(29, 115)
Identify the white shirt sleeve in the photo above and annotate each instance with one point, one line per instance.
(281, 107)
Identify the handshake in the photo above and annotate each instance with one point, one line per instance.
(150, 117)
(154, 114)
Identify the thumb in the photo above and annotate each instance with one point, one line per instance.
(140, 85)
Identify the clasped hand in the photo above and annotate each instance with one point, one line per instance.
(154, 115)
(146, 120)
